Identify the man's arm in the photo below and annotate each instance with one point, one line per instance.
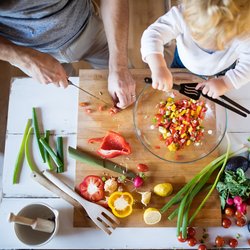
(115, 16)
(40, 66)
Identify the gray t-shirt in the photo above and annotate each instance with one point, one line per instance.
(45, 25)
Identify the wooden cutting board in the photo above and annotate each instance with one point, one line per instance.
(97, 123)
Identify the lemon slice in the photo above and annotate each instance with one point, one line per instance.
(151, 216)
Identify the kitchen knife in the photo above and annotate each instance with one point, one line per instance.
(85, 91)
(99, 162)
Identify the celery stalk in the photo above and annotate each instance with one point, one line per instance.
(59, 152)
(37, 132)
(20, 156)
(27, 151)
(46, 154)
(53, 155)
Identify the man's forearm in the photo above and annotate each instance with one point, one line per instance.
(7, 50)
(12, 53)
(115, 15)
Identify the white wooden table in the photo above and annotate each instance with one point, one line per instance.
(58, 109)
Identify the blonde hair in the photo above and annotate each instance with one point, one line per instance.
(217, 21)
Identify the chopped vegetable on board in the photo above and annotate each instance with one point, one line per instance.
(121, 204)
(92, 188)
(112, 145)
(110, 185)
(145, 197)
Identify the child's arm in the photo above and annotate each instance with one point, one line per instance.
(215, 87)
(161, 75)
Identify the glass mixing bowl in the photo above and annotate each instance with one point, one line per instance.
(147, 106)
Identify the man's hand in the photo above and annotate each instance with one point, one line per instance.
(214, 87)
(42, 67)
(121, 86)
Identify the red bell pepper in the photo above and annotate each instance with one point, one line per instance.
(92, 188)
(112, 145)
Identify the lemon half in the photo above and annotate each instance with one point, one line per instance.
(151, 216)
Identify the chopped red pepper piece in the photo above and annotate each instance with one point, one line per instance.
(113, 144)
(93, 140)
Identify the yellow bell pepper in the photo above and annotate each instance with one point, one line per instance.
(121, 203)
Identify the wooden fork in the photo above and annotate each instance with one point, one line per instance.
(103, 218)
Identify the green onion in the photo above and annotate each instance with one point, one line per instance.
(185, 222)
(187, 194)
(92, 160)
(46, 154)
(53, 155)
(27, 151)
(20, 156)
(59, 151)
(215, 182)
(37, 132)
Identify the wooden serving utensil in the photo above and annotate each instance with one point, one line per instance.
(37, 224)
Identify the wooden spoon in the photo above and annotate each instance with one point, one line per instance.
(37, 224)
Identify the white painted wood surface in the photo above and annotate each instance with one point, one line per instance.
(58, 112)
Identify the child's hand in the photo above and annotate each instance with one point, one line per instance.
(162, 79)
(161, 75)
(214, 87)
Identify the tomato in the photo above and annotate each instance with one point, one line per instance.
(241, 222)
(92, 188)
(229, 211)
(233, 243)
(158, 117)
(181, 239)
(226, 223)
(238, 214)
(202, 247)
(219, 241)
(142, 167)
(191, 232)
(192, 241)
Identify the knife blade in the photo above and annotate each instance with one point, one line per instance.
(85, 91)
(99, 162)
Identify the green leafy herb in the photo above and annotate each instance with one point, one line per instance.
(233, 184)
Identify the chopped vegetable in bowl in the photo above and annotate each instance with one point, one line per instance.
(180, 122)
(177, 129)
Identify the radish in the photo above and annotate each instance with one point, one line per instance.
(230, 201)
(237, 200)
(242, 207)
(138, 181)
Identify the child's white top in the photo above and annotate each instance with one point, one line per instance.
(172, 26)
